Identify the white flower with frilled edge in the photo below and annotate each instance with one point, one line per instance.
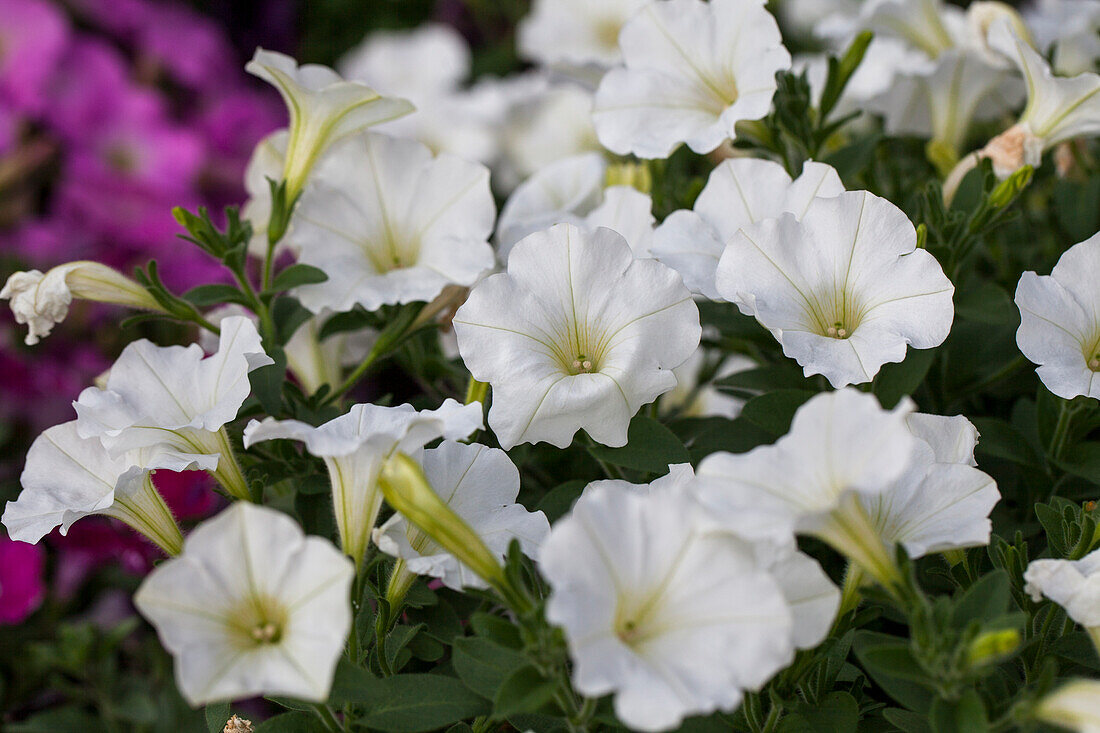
(574, 32)
(354, 448)
(811, 597)
(739, 192)
(481, 485)
(1058, 108)
(693, 70)
(169, 399)
(323, 107)
(1072, 584)
(42, 300)
(577, 334)
(942, 501)
(844, 291)
(251, 607)
(842, 450)
(1060, 321)
(67, 477)
(1074, 706)
(574, 191)
(388, 223)
(659, 607)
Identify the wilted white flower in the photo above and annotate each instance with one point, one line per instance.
(428, 65)
(481, 485)
(842, 450)
(693, 70)
(67, 477)
(388, 223)
(574, 191)
(251, 607)
(1072, 584)
(574, 32)
(844, 291)
(1074, 706)
(942, 501)
(1060, 321)
(354, 447)
(739, 192)
(675, 617)
(577, 334)
(171, 400)
(41, 301)
(1058, 108)
(323, 107)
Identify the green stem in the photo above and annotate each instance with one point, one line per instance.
(609, 470)
(1061, 430)
(328, 718)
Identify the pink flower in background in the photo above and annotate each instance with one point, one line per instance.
(190, 47)
(33, 35)
(21, 579)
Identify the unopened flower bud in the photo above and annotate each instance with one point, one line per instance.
(42, 300)
(992, 646)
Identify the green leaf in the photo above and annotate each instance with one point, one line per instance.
(774, 411)
(293, 722)
(216, 716)
(68, 719)
(297, 275)
(706, 435)
(965, 715)
(267, 382)
(984, 601)
(559, 500)
(898, 380)
(524, 691)
(412, 703)
(751, 382)
(1001, 440)
(907, 721)
(987, 302)
(349, 683)
(890, 663)
(837, 713)
(397, 640)
(205, 296)
(650, 447)
(483, 665)
(500, 630)
(1083, 459)
(1077, 647)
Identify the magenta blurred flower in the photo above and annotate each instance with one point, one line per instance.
(38, 387)
(191, 48)
(91, 86)
(21, 578)
(33, 36)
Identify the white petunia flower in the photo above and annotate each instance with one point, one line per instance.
(1058, 108)
(67, 477)
(1072, 584)
(739, 192)
(1060, 321)
(546, 124)
(928, 25)
(942, 501)
(842, 450)
(574, 191)
(577, 334)
(574, 32)
(42, 300)
(388, 223)
(251, 607)
(1071, 27)
(323, 107)
(428, 65)
(267, 162)
(481, 485)
(673, 616)
(1074, 706)
(690, 399)
(693, 70)
(844, 291)
(172, 400)
(354, 448)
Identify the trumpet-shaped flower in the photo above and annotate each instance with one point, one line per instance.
(1058, 108)
(547, 123)
(658, 606)
(1074, 706)
(574, 191)
(577, 334)
(172, 400)
(481, 485)
(251, 607)
(41, 301)
(68, 477)
(575, 33)
(1072, 584)
(388, 223)
(1060, 321)
(694, 398)
(693, 70)
(267, 161)
(323, 110)
(739, 192)
(842, 450)
(1072, 27)
(844, 291)
(354, 448)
